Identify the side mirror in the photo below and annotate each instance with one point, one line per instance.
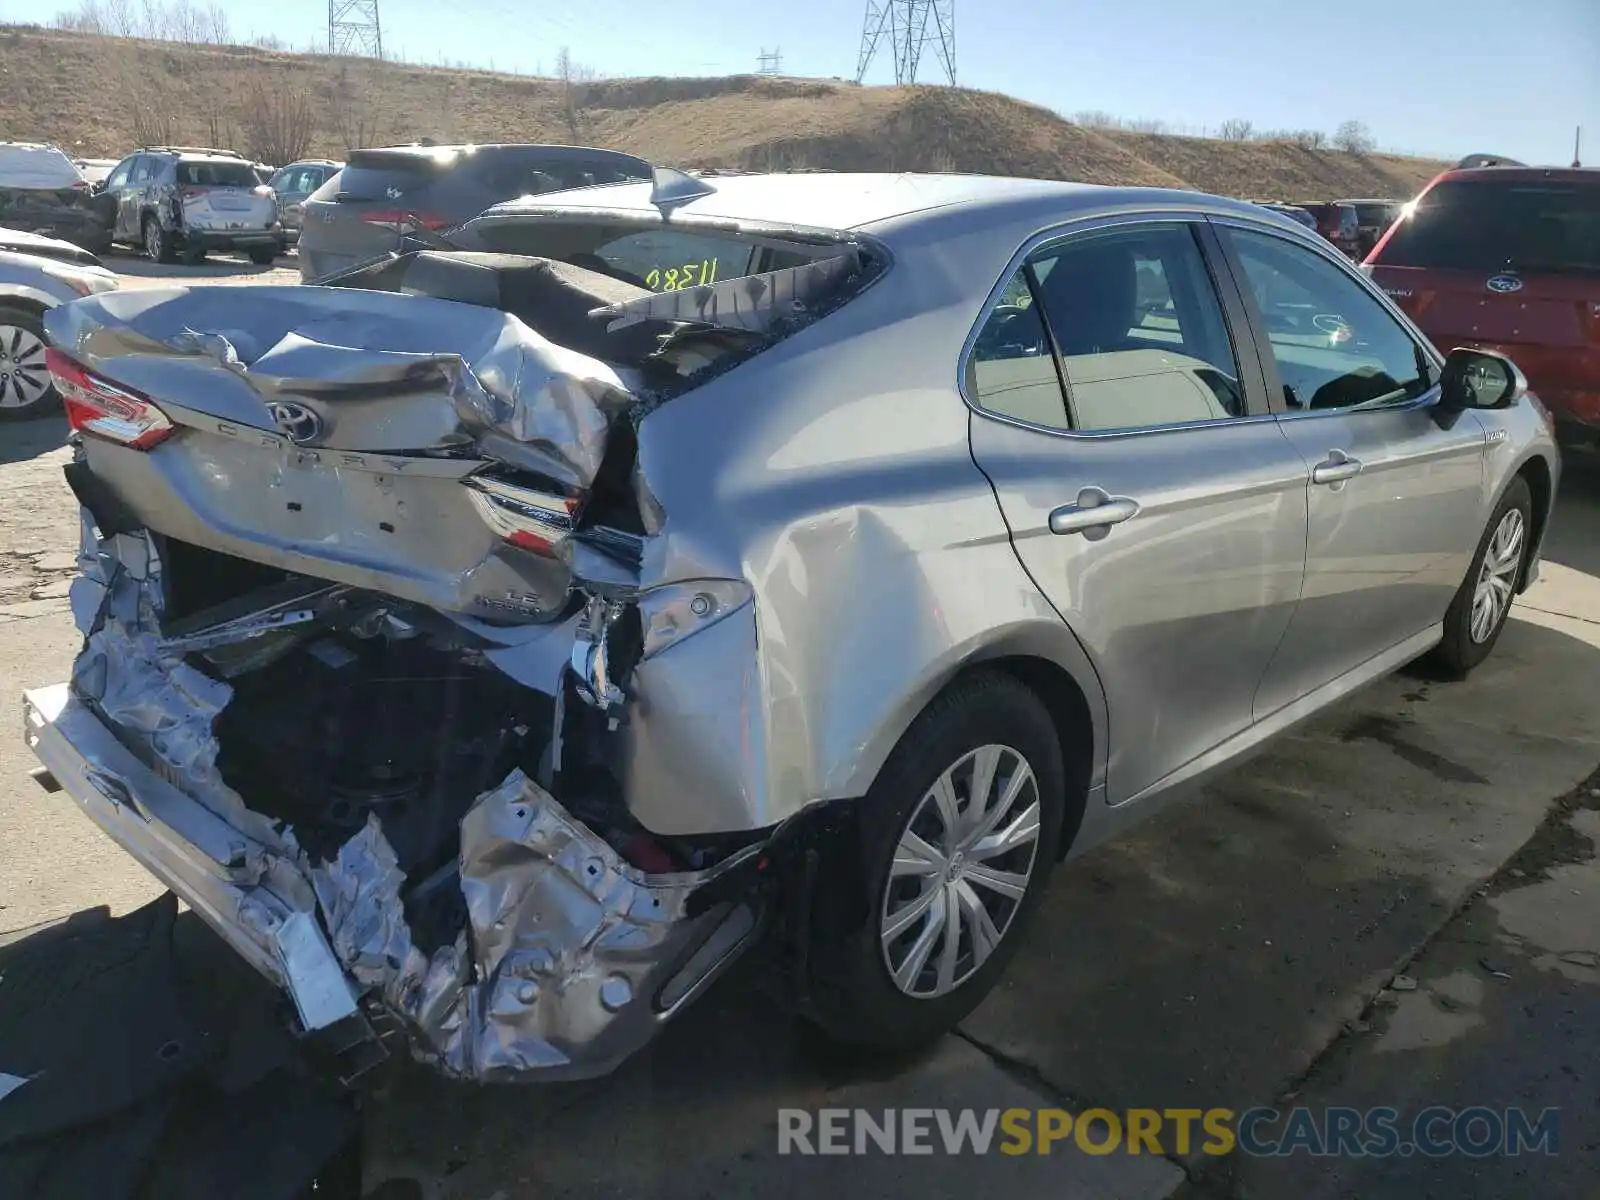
(1476, 379)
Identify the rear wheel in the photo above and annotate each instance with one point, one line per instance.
(25, 386)
(157, 241)
(958, 839)
(263, 256)
(1476, 616)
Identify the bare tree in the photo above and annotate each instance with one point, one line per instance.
(1353, 137)
(1236, 130)
(355, 120)
(1309, 139)
(277, 122)
(220, 130)
(153, 126)
(1094, 118)
(573, 95)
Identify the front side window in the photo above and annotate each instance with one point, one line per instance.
(1335, 344)
(1137, 323)
(119, 173)
(143, 169)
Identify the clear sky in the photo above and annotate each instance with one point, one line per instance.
(1440, 77)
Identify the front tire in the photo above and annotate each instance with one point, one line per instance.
(1477, 615)
(959, 836)
(263, 256)
(26, 389)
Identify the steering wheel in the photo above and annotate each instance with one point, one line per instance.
(1001, 331)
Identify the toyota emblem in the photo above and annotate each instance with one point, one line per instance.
(1504, 283)
(299, 423)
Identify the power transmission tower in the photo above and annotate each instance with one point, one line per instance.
(910, 25)
(353, 28)
(769, 62)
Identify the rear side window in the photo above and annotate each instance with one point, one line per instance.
(144, 169)
(217, 174)
(1137, 323)
(1492, 225)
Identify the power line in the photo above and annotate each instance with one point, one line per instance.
(909, 26)
(353, 28)
(769, 62)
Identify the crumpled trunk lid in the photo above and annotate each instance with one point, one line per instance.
(313, 436)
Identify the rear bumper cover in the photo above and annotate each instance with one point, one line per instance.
(238, 239)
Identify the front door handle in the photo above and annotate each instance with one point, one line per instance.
(1336, 468)
(1094, 513)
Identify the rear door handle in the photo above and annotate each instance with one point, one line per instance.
(1336, 468)
(1094, 513)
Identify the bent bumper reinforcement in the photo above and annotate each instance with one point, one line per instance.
(571, 961)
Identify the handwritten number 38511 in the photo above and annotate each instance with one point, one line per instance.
(673, 279)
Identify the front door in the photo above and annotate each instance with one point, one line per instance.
(107, 201)
(1152, 498)
(1394, 501)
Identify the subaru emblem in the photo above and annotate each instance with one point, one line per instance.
(299, 424)
(1504, 283)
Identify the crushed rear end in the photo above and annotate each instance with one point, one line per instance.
(369, 677)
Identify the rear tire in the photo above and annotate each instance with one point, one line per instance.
(263, 256)
(26, 389)
(158, 247)
(193, 253)
(868, 987)
(1477, 615)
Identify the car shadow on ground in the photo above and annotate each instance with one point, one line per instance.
(22, 440)
(214, 267)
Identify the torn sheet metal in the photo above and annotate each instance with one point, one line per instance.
(567, 951)
(753, 303)
(360, 370)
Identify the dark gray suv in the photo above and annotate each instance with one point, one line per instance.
(382, 195)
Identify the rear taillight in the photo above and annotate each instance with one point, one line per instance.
(97, 406)
(404, 221)
(524, 517)
(191, 192)
(82, 185)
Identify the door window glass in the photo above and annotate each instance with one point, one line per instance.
(1140, 329)
(1335, 344)
(143, 168)
(1012, 371)
(119, 174)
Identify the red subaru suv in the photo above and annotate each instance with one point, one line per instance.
(1508, 259)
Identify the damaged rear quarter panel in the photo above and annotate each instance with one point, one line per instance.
(836, 477)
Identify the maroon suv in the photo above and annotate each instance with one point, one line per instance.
(1508, 258)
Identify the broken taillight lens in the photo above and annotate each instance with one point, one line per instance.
(95, 405)
(524, 517)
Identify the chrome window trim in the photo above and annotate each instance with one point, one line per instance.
(1067, 231)
(1327, 251)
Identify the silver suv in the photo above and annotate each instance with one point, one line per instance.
(186, 201)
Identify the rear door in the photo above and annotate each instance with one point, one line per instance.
(1153, 499)
(379, 197)
(1395, 504)
(1510, 264)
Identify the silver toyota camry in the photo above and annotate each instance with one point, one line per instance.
(497, 641)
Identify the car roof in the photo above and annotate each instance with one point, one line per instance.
(1522, 175)
(864, 200)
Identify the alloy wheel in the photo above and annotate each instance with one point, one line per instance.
(1497, 577)
(152, 241)
(961, 869)
(24, 380)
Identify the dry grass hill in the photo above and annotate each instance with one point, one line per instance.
(100, 96)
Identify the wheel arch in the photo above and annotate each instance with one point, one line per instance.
(1541, 482)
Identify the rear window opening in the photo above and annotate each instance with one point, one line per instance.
(1493, 225)
(217, 174)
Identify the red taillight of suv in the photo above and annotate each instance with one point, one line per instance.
(405, 221)
(104, 409)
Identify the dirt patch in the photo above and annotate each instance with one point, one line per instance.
(1554, 843)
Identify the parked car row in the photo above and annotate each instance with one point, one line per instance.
(1352, 225)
